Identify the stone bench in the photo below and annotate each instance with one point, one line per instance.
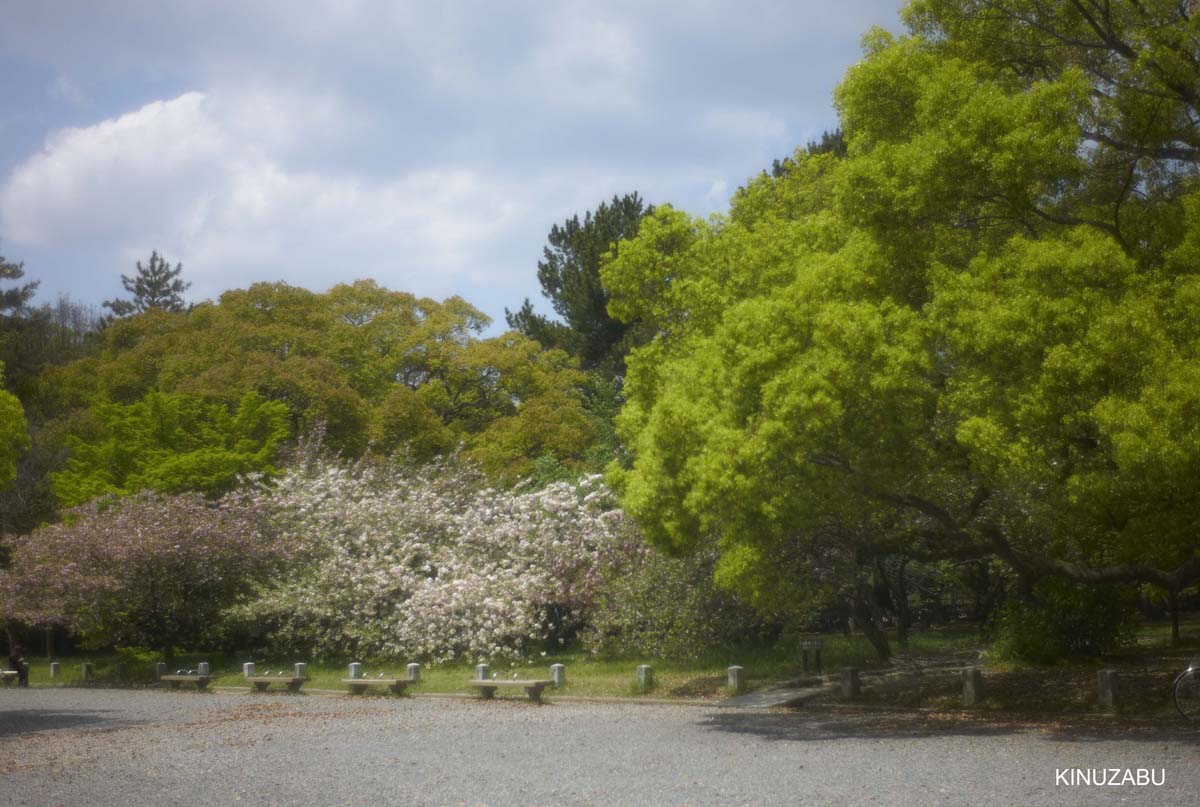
(201, 681)
(487, 687)
(359, 686)
(9, 676)
(262, 682)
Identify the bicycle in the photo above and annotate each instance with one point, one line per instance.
(1186, 691)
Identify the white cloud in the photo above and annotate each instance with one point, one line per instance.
(203, 179)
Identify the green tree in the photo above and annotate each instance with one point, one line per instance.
(569, 274)
(13, 301)
(968, 339)
(171, 444)
(155, 285)
(368, 366)
(14, 437)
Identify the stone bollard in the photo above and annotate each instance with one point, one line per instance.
(558, 674)
(414, 673)
(121, 669)
(1106, 682)
(356, 670)
(645, 678)
(972, 681)
(202, 668)
(85, 673)
(737, 678)
(300, 669)
(160, 669)
(248, 669)
(54, 668)
(850, 683)
(482, 672)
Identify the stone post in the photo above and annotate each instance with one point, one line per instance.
(1106, 682)
(737, 678)
(356, 670)
(414, 673)
(160, 669)
(300, 669)
(645, 678)
(248, 669)
(54, 668)
(482, 672)
(202, 668)
(85, 671)
(558, 674)
(850, 683)
(972, 681)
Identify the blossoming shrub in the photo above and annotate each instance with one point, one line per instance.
(428, 561)
(149, 570)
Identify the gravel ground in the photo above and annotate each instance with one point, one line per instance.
(139, 747)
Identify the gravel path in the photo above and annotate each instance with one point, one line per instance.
(134, 748)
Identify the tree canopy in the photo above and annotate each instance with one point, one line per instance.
(971, 337)
(368, 366)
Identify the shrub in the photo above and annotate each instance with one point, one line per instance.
(149, 570)
(1063, 620)
(652, 604)
(428, 561)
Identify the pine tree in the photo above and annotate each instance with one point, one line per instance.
(13, 300)
(154, 286)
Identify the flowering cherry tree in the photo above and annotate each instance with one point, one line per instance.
(149, 570)
(430, 562)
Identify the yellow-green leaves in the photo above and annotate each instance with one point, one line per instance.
(13, 435)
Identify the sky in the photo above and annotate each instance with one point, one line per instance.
(429, 146)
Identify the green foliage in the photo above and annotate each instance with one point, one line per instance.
(1063, 620)
(570, 278)
(170, 443)
(970, 338)
(155, 286)
(653, 605)
(13, 435)
(368, 366)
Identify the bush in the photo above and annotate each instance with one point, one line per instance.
(428, 561)
(650, 604)
(1063, 620)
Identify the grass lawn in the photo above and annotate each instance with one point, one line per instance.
(586, 675)
(920, 678)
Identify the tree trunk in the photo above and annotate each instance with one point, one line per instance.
(1173, 602)
(903, 613)
(865, 618)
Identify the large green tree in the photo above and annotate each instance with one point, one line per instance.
(369, 367)
(973, 337)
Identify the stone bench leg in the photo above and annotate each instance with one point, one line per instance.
(397, 689)
(487, 692)
(261, 686)
(535, 694)
(175, 684)
(358, 689)
(294, 686)
(201, 685)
